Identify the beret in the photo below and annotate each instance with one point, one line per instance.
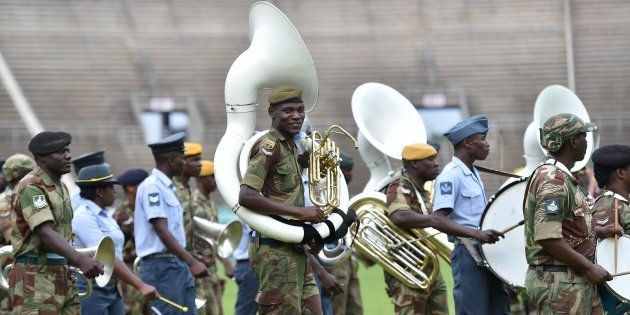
(47, 142)
(346, 160)
(133, 176)
(612, 156)
(207, 168)
(192, 148)
(284, 94)
(464, 129)
(418, 151)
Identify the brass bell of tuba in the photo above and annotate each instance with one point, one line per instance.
(223, 238)
(103, 253)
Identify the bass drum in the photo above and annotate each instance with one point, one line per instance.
(506, 258)
(605, 257)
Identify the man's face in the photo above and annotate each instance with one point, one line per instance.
(347, 174)
(130, 190)
(58, 162)
(208, 182)
(177, 161)
(580, 146)
(624, 175)
(192, 165)
(287, 117)
(428, 168)
(479, 147)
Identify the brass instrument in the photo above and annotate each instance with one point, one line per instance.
(103, 253)
(323, 175)
(222, 238)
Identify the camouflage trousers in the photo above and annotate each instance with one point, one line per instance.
(286, 280)
(42, 289)
(211, 289)
(562, 293)
(134, 302)
(412, 301)
(348, 302)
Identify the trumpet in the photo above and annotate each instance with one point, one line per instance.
(103, 253)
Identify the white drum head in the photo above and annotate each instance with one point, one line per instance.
(605, 256)
(506, 258)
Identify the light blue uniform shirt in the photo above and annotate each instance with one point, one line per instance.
(241, 252)
(156, 198)
(460, 189)
(92, 223)
(75, 198)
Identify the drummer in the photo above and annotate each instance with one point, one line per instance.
(612, 171)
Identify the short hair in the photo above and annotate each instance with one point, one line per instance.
(89, 192)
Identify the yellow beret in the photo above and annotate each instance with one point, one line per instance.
(418, 151)
(207, 168)
(192, 148)
(285, 93)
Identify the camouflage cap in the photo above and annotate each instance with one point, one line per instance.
(16, 166)
(561, 127)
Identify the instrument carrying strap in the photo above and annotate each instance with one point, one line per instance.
(472, 249)
(496, 172)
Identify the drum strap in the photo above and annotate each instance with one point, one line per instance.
(472, 250)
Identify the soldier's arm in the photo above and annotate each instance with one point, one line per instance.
(329, 281)
(252, 199)
(160, 225)
(561, 251)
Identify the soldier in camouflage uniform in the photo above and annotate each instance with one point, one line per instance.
(41, 226)
(560, 238)
(130, 179)
(286, 279)
(612, 171)
(409, 207)
(204, 287)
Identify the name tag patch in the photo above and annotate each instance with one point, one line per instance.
(446, 188)
(552, 206)
(39, 201)
(154, 199)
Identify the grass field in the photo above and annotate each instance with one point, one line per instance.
(375, 300)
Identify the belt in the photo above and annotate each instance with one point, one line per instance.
(242, 260)
(276, 243)
(34, 260)
(159, 255)
(555, 268)
(457, 241)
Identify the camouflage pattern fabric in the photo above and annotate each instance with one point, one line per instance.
(349, 301)
(184, 195)
(274, 170)
(604, 213)
(403, 195)
(286, 280)
(134, 302)
(561, 127)
(211, 289)
(5, 217)
(16, 166)
(562, 293)
(556, 208)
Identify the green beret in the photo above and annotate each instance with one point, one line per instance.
(284, 94)
(346, 161)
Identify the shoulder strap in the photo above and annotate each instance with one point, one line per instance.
(418, 195)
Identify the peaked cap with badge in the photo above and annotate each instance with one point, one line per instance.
(285, 94)
(558, 128)
(47, 142)
(174, 142)
(96, 175)
(464, 129)
(87, 159)
(16, 166)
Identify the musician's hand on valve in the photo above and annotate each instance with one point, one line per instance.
(608, 231)
(597, 274)
(489, 236)
(198, 269)
(311, 214)
(90, 267)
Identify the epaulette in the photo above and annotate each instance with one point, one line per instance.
(267, 146)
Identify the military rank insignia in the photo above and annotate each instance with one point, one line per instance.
(267, 146)
(39, 201)
(446, 188)
(405, 190)
(154, 199)
(552, 206)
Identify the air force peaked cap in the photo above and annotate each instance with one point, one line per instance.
(464, 129)
(612, 156)
(95, 175)
(174, 142)
(47, 142)
(133, 176)
(88, 159)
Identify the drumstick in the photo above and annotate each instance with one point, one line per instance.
(616, 226)
(510, 228)
(621, 274)
(182, 308)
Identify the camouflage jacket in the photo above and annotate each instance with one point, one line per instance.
(556, 208)
(124, 217)
(274, 170)
(204, 207)
(604, 213)
(5, 216)
(402, 194)
(184, 194)
(37, 199)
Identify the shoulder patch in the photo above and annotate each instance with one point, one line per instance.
(154, 199)
(552, 206)
(405, 190)
(446, 188)
(267, 146)
(602, 222)
(39, 201)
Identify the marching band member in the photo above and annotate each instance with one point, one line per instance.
(460, 196)
(129, 180)
(560, 241)
(286, 279)
(612, 171)
(408, 207)
(159, 230)
(13, 170)
(91, 223)
(81, 161)
(41, 226)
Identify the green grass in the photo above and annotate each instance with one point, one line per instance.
(375, 299)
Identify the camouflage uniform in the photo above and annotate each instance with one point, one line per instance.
(41, 288)
(134, 302)
(349, 302)
(403, 195)
(203, 286)
(286, 280)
